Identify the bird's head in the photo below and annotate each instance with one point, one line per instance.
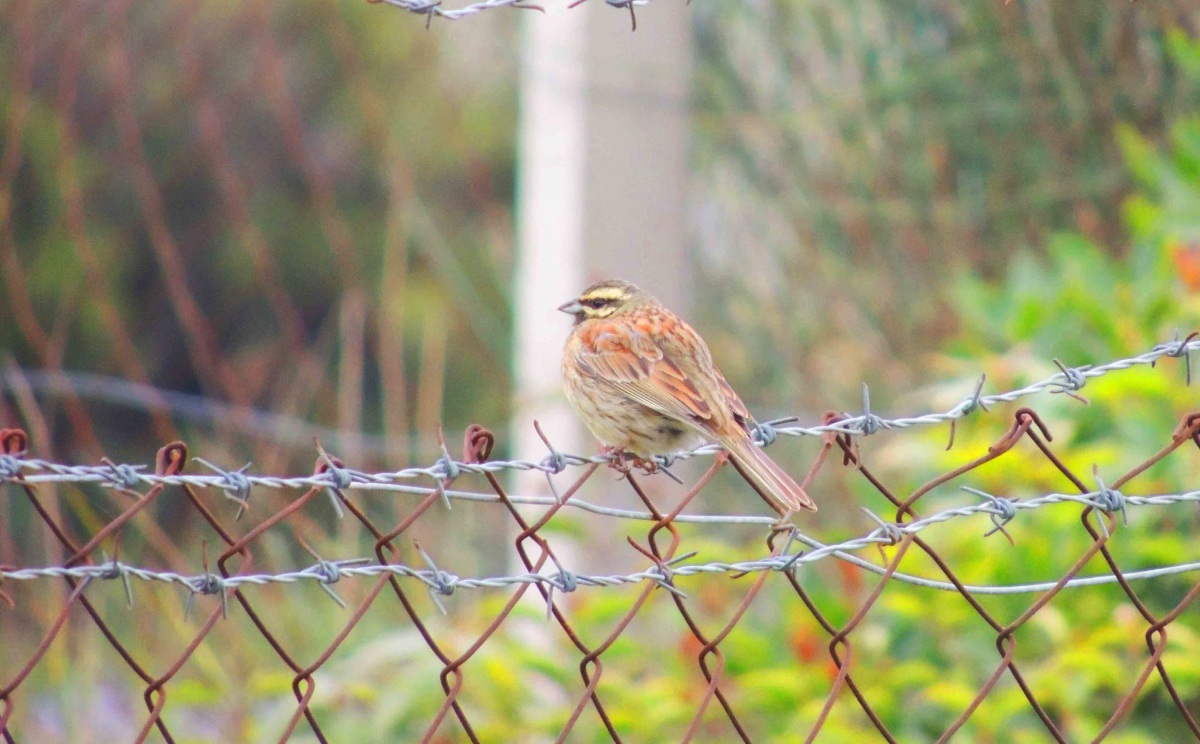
(603, 299)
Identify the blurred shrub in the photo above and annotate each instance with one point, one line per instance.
(857, 156)
(292, 206)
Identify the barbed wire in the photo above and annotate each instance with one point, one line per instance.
(1001, 510)
(238, 483)
(435, 9)
(1104, 512)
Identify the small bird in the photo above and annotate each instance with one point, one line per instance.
(643, 382)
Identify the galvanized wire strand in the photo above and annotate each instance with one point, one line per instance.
(239, 483)
(431, 9)
(444, 583)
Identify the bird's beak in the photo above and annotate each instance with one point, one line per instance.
(571, 307)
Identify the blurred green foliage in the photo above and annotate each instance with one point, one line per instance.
(857, 157)
(292, 167)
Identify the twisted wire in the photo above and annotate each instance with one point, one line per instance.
(888, 533)
(238, 482)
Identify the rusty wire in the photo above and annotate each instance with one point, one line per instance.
(1102, 508)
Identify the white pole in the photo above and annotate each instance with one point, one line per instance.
(601, 192)
(550, 223)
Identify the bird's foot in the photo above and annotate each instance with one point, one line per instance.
(649, 467)
(782, 525)
(626, 462)
(621, 461)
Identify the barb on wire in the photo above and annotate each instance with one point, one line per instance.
(330, 571)
(438, 582)
(237, 483)
(1072, 381)
(127, 477)
(114, 570)
(967, 407)
(664, 567)
(1109, 500)
(869, 423)
(1004, 511)
(663, 573)
(340, 477)
(619, 4)
(1181, 348)
(565, 581)
(207, 583)
(431, 9)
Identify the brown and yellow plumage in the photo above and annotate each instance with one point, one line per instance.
(643, 381)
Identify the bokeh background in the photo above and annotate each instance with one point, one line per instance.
(251, 225)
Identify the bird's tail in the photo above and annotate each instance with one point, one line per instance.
(766, 476)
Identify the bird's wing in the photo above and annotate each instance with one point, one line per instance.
(629, 358)
(740, 413)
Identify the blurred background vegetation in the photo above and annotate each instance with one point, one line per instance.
(306, 209)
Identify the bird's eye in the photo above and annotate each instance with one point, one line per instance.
(595, 304)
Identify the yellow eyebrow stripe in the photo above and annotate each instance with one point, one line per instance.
(605, 293)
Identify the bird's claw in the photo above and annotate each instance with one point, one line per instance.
(626, 462)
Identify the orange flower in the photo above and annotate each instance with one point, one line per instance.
(1187, 263)
(806, 645)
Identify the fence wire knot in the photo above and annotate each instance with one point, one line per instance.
(566, 581)
(666, 461)
(1005, 510)
(209, 584)
(114, 569)
(663, 574)
(329, 572)
(449, 469)
(123, 475)
(448, 466)
(890, 533)
(237, 485)
(554, 463)
(340, 479)
(1181, 347)
(967, 407)
(443, 582)
(437, 581)
(790, 564)
(339, 476)
(870, 422)
(975, 401)
(1111, 500)
(10, 466)
(765, 434)
(440, 583)
(1073, 380)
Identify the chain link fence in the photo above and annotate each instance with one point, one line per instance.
(244, 568)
